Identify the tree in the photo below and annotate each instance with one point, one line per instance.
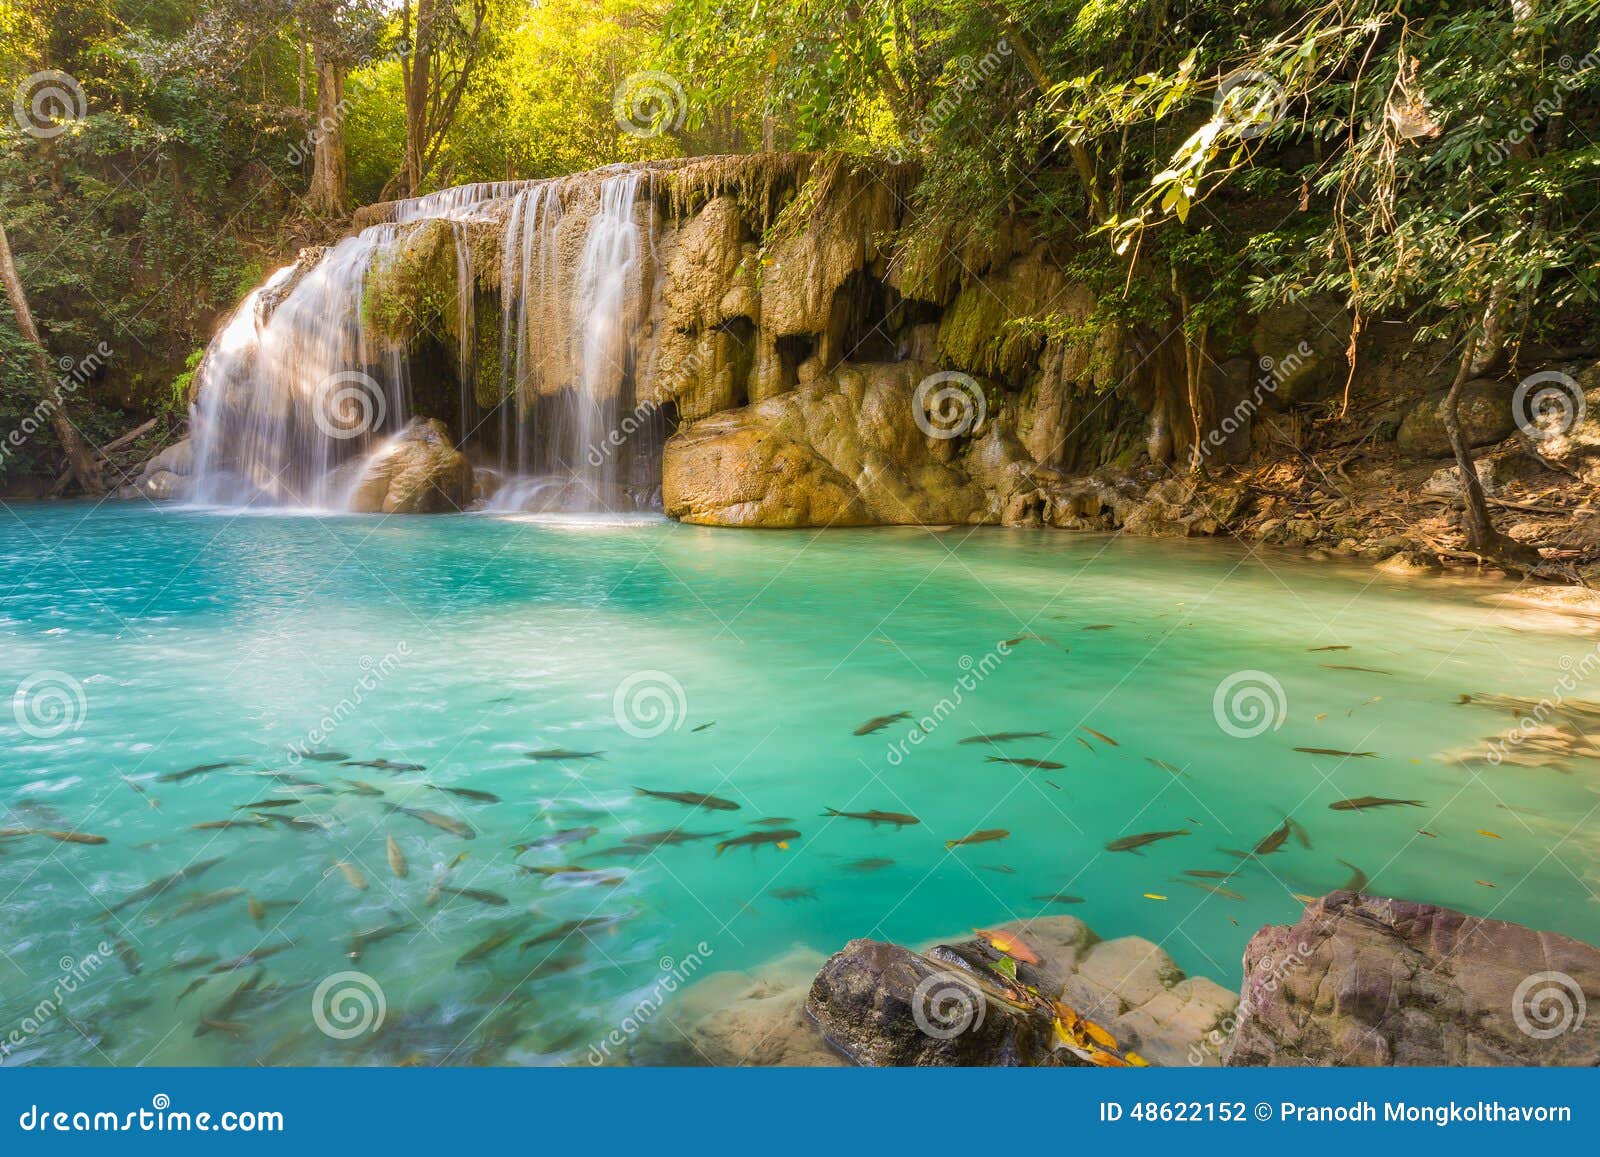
(80, 462)
(444, 41)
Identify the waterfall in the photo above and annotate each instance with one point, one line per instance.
(299, 392)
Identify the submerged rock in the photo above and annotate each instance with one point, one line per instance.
(418, 471)
(1362, 980)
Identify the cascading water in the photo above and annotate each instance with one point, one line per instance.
(299, 390)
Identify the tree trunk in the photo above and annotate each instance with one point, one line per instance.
(51, 395)
(417, 73)
(329, 171)
(1482, 536)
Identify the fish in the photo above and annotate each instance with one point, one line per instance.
(1485, 883)
(1030, 636)
(1364, 670)
(999, 869)
(691, 799)
(898, 819)
(265, 803)
(668, 838)
(204, 902)
(1272, 842)
(489, 944)
(778, 837)
(1303, 898)
(790, 895)
(257, 910)
(361, 941)
(987, 835)
(129, 956)
(1358, 880)
(494, 899)
(558, 839)
(1006, 737)
(1059, 898)
(325, 756)
(1100, 735)
(558, 869)
(879, 722)
(254, 821)
(1053, 784)
(1039, 764)
(704, 726)
(353, 875)
(249, 958)
(562, 753)
(1087, 746)
(471, 793)
(1301, 836)
(1208, 873)
(1135, 842)
(564, 930)
(1154, 896)
(383, 765)
(1214, 889)
(197, 769)
(1361, 802)
(159, 885)
(874, 864)
(775, 821)
(138, 787)
(1098, 627)
(189, 963)
(362, 787)
(1336, 751)
(444, 823)
(1485, 832)
(1426, 832)
(1163, 765)
(293, 823)
(1330, 647)
(397, 858)
(218, 1017)
(193, 986)
(59, 837)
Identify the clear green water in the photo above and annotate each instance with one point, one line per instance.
(199, 637)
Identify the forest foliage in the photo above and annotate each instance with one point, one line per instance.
(1432, 161)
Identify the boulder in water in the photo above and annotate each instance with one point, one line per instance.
(418, 471)
(1365, 980)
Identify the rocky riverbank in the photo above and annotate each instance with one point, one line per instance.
(1358, 980)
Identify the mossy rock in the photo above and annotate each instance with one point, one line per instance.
(411, 287)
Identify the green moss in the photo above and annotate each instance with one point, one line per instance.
(411, 288)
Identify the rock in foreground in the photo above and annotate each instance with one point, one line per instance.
(419, 471)
(1361, 980)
